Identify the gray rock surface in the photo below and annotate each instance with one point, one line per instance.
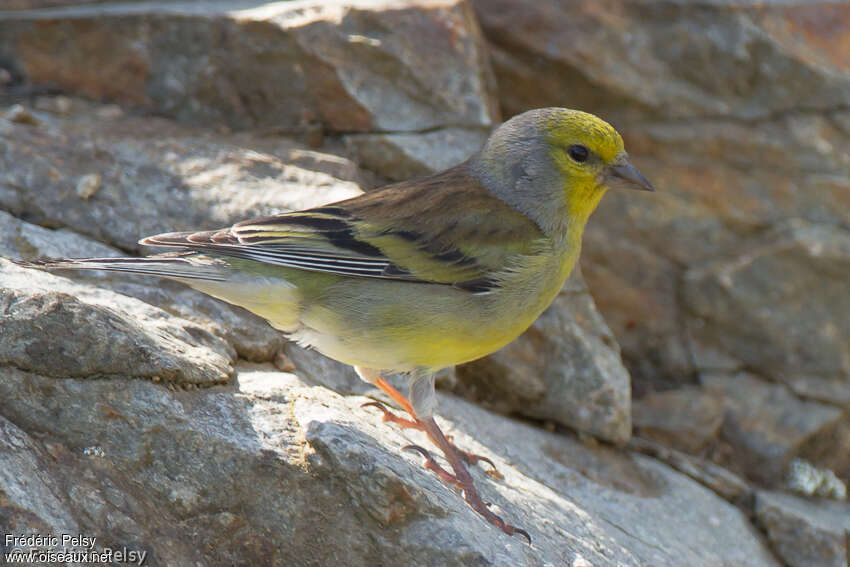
(346, 67)
(678, 59)
(832, 452)
(738, 114)
(805, 533)
(249, 335)
(157, 176)
(271, 469)
(565, 368)
(766, 425)
(54, 327)
(780, 306)
(402, 156)
(720, 480)
(809, 480)
(687, 419)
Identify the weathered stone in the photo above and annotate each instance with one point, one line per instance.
(809, 480)
(21, 240)
(736, 111)
(248, 334)
(780, 307)
(273, 470)
(38, 4)
(21, 115)
(721, 481)
(402, 156)
(676, 59)
(565, 368)
(156, 176)
(322, 370)
(832, 450)
(344, 67)
(805, 533)
(686, 419)
(766, 425)
(720, 186)
(57, 328)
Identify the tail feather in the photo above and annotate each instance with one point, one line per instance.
(179, 267)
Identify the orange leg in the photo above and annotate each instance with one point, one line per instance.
(395, 395)
(470, 458)
(461, 477)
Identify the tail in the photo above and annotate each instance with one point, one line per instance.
(182, 267)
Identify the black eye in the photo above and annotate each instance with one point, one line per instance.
(578, 153)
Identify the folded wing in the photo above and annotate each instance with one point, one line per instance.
(444, 229)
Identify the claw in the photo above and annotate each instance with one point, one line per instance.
(499, 522)
(433, 466)
(517, 531)
(418, 449)
(390, 416)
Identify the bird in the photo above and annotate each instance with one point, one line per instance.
(419, 275)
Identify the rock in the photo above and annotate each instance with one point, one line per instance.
(88, 185)
(809, 480)
(719, 480)
(805, 532)
(21, 240)
(320, 369)
(60, 104)
(21, 115)
(346, 67)
(766, 425)
(156, 176)
(54, 327)
(736, 112)
(40, 4)
(780, 307)
(721, 186)
(271, 469)
(250, 335)
(686, 419)
(680, 59)
(565, 368)
(831, 452)
(402, 156)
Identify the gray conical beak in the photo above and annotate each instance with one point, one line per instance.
(624, 175)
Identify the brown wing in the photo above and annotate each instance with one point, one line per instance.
(444, 228)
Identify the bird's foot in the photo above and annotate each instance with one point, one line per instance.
(461, 477)
(469, 458)
(470, 494)
(433, 466)
(456, 458)
(393, 418)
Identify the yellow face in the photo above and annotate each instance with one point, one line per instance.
(582, 147)
(581, 144)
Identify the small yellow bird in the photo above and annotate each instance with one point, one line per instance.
(420, 275)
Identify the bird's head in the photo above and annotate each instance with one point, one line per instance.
(554, 165)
